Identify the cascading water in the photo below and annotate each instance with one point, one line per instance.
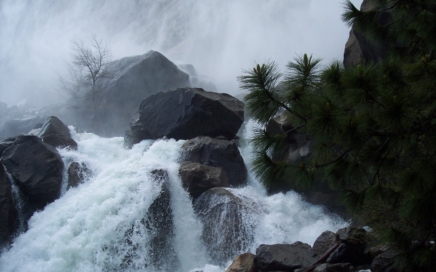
(114, 220)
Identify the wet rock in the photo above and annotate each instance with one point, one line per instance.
(160, 226)
(243, 263)
(325, 241)
(8, 213)
(287, 257)
(56, 134)
(36, 168)
(352, 248)
(383, 260)
(228, 221)
(185, 113)
(198, 178)
(77, 173)
(217, 153)
(130, 139)
(342, 267)
(6, 143)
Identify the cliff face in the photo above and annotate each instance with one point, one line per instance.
(359, 48)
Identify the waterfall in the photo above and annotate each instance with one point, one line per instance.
(106, 223)
(19, 203)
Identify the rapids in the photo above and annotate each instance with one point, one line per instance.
(97, 226)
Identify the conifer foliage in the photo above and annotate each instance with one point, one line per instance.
(373, 125)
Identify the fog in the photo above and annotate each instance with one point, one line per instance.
(220, 38)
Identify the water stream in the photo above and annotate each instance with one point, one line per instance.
(99, 226)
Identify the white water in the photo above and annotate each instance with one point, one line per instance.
(97, 226)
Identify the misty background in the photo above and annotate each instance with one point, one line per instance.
(220, 38)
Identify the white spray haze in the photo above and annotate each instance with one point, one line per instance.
(220, 38)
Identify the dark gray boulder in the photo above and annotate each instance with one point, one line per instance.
(198, 178)
(185, 113)
(384, 260)
(127, 82)
(287, 257)
(6, 143)
(56, 134)
(36, 168)
(217, 153)
(343, 267)
(352, 248)
(77, 173)
(228, 221)
(326, 240)
(8, 213)
(359, 48)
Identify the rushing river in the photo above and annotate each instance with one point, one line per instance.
(98, 225)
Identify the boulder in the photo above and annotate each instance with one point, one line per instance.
(359, 48)
(287, 257)
(185, 113)
(217, 153)
(126, 83)
(384, 260)
(342, 267)
(198, 178)
(352, 249)
(243, 263)
(56, 134)
(8, 213)
(326, 240)
(228, 221)
(77, 173)
(6, 143)
(36, 168)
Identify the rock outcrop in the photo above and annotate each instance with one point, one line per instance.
(217, 153)
(197, 178)
(359, 48)
(36, 169)
(185, 113)
(228, 222)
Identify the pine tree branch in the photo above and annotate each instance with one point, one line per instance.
(283, 105)
(333, 161)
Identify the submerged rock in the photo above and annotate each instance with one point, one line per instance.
(217, 153)
(36, 168)
(8, 213)
(228, 221)
(186, 113)
(198, 178)
(287, 257)
(77, 173)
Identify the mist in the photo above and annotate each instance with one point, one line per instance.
(220, 38)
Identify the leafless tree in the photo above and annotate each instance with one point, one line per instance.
(89, 64)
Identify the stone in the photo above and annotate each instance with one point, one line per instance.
(127, 82)
(360, 49)
(36, 168)
(6, 143)
(326, 240)
(242, 263)
(217, 153)
(383, 260)
(8, 213)
(286, 257)
(198, 178)
(341, 267)
(56, 134)
(352, 249)
(77, 173)
(159, 223)
(185, 113)
(228, 222)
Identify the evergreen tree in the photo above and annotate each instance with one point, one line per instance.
(374, 126)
